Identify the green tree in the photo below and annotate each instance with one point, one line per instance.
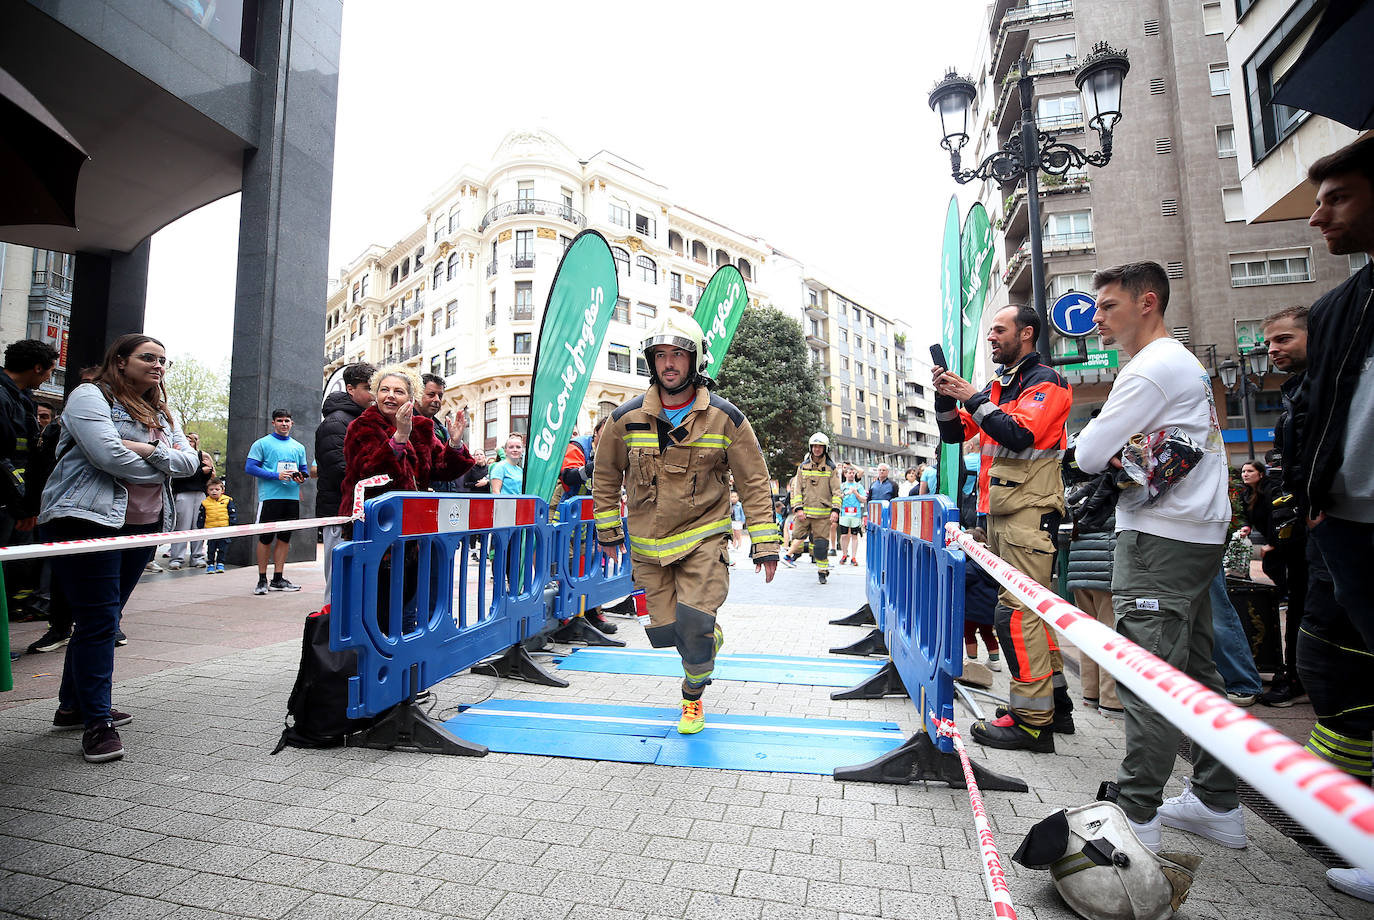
(199, 397)
(768, 373)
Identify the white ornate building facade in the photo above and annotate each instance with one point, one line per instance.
(463, 295)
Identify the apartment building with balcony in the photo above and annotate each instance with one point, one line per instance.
(36, 303)
(1171, 193)
(463, 295)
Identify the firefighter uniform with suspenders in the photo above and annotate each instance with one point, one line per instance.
(674, 450)
(816, 501)
(1019, 418)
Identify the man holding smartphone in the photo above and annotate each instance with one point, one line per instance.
(1019, 418)
(278, 462)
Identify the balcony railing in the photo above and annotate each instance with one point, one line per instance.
(522, 314)
(675, 295)
(391, 322)
(53, 280)
(1065, 64)
(491, 318)
(525, 260)
(491, 268)
(1057, 241)
(536, 206)
(1070, 122)
(1033, 11)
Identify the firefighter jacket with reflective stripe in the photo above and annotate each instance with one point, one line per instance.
(1020, 418)
(817, 488)
(677, 480)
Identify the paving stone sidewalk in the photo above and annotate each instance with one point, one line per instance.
(199, 821)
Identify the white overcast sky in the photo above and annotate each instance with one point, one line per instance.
(801, 122)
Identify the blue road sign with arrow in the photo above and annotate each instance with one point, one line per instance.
(1072, 314)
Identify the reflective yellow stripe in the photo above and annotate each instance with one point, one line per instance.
(714, 440)
(641, 440)
(667, 546)
(765, 534)
(606, 516)
(821, 474)
(816, 509)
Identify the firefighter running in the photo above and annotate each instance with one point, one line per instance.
(816, 498)
(674, 450)
(1020, 419)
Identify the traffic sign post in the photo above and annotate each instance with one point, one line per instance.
(1072, 315)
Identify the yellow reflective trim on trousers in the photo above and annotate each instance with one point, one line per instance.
(818, 510)
(606, 516)
(666, 546)
(696, 677)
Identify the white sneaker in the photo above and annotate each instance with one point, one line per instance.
(1188, 813)
(174, 566)
(1355, 882)
(1147, 832)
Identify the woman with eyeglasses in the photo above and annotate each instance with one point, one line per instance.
(119, 450)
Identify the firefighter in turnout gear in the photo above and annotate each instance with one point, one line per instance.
(816, 498)
(1019, 418)
(674, 450)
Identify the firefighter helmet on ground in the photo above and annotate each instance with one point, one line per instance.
(1101, 868)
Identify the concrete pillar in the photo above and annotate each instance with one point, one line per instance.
(109, 297)
(283, 245)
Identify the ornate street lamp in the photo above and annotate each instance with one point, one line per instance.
(1099, 80)
(1236, 378)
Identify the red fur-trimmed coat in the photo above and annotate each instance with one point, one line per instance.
(369, 451)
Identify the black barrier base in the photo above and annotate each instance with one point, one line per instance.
(871, 644)
(885, 682)
(919, 760)
(861, 617)
(516, 663)
(407, 727)
(579, 630)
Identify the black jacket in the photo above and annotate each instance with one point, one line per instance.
(470, 479)
(1340, 330)
(18, 443)
(339, 411)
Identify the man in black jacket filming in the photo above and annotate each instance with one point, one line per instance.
(339, 410)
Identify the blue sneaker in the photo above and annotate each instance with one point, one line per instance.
(219, 568)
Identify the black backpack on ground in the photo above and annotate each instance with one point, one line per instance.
(317, 710)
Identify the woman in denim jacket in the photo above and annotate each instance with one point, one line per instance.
(119, 450)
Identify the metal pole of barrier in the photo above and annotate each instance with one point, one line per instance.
(994, 876)
(1330, 803)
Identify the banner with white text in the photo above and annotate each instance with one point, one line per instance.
(718, 313)
(951, 322)
(576, 317)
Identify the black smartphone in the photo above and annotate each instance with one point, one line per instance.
(937, 357)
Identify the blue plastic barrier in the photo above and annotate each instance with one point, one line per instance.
(876, 525)
(587, 578)
(434, 623)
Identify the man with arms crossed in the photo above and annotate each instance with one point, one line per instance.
(1167, 553)
(278, 462)
(1019, 417)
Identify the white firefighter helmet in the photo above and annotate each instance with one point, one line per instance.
(680, 331)
(820, 438)
(1101, 868)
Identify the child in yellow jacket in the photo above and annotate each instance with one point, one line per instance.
(217, 510)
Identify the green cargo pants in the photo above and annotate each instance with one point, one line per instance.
(1162, 603)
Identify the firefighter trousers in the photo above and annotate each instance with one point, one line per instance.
(1027, 642)
(683, 598)
(819, 530)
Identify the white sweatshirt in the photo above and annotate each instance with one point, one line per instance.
(1164, 386)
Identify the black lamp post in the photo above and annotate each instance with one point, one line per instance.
(1236, 378)
(1099, 81)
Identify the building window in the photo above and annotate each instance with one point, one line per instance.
(452, 219)
(641, 366)
(438, 275)
(619, 213)
(872, 349)
(745, 269)
(524, 301)
(1069, 228)
(1269, 123)
(450, 361)
(520, 415)
(1061, 284)
(846, 424)
(622, 311)
(1226, 141)
(565, 242)
(524, 248)
(722, 258)
(524, 191)
(675, 287)
(489, 432)
(434, 367)
(844, 337)
(644, 314)
(395, 275)
(699, 251)
(1219, 75)
(813, 297)
(436, 322)
(618, 358)
(1213, 21)
(356, 288)
(675, 242)
(873, 374)
(452, 266)
(844, 392)
(451, 314)
(844, 363)
(405, 267)
(1058, 112)
(605, 408)
(622, 261)
(644, 226)
(870, 321)
(1358, 260)
(646, 269)
(366, 278)
(1061, 48)
(1232, 204)
(522, 343)
(1275, 267)
(438, 230)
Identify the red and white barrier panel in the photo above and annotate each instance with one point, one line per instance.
(1327, 801)
(914, 519)
(994, 876)
(131, 541)
(450, 515)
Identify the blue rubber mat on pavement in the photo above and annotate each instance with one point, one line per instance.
(638, 734)
(772, 669)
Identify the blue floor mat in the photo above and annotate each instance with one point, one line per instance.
(638, 734)
(772, 669)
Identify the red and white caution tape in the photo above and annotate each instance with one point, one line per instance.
(1327, 801)
(131, 541)
(994, 876)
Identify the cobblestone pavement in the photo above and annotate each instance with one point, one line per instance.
(199, 821)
